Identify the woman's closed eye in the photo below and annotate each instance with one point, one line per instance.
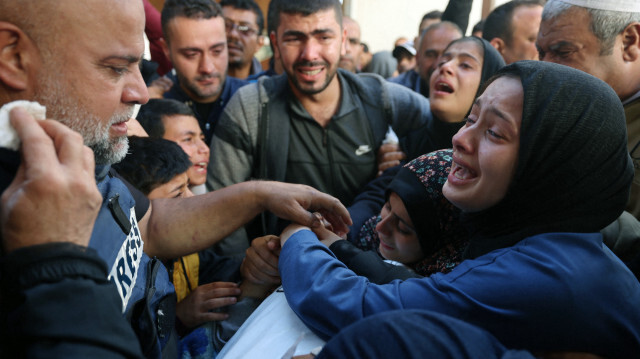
(494, 134)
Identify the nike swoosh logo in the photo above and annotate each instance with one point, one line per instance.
(362, 150)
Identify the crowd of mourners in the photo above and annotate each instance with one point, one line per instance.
(453, 197)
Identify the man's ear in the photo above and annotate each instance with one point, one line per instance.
(498, 44)
(343, 49)
(164, 46)
(274, 45)
(631, 42)
(18, 57)
(260, 42)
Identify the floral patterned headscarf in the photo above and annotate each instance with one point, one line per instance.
(436, 221)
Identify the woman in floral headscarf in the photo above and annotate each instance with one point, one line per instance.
(417, 226)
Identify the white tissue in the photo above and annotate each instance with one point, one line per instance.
(8, 135)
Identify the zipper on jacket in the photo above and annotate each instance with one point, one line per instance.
(332, 170)
(324, 137)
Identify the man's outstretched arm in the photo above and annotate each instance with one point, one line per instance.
(175, 227)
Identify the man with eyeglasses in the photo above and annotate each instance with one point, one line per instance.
(244, 23)
(196, 43)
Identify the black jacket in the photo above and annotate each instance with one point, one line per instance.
(56, 302)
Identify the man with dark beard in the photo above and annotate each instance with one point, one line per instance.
(195, 40)
(316, 124)
(57, 296)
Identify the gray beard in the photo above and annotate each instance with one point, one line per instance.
(70, 112)
(113, 151)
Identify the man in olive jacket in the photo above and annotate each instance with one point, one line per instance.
(315, 124)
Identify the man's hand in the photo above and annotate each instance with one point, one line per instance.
(53, 197)
(260, 265)
(389, 155)
(293, 202)
(159, 86)
(325, 232)
(196, 308)
(176, 227)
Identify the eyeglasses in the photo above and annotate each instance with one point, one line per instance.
(243, 29)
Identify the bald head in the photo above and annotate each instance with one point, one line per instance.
(433, 41)
(31, 16)
(80, 59)
(45, 22)
(348, 21)
(349, 60)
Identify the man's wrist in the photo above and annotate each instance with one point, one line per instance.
(256, 190)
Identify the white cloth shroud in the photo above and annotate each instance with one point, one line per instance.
(273, 331)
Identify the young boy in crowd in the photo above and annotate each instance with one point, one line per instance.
(175, 121)
(205, 283)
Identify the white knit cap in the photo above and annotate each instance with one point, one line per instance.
(610, 5)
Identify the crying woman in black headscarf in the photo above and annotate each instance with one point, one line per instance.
(570, 171)
(539, 168)
(464, 66)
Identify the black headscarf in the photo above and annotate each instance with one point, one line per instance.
(437, 134)
(492, 60)
(573, 172)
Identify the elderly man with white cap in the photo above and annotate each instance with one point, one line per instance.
(602, 38)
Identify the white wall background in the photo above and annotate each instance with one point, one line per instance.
(383, 21)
